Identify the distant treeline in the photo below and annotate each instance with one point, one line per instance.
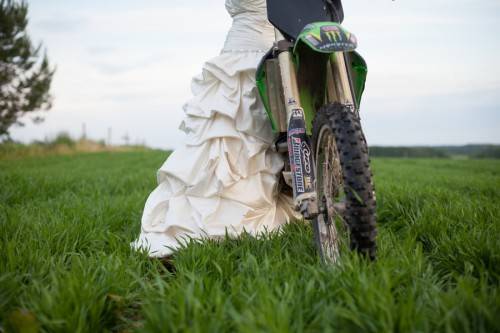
(61, 144)
(468, 151)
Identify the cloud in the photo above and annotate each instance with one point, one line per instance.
(128, 65)
(60, 25)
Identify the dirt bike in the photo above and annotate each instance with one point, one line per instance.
(311, 83)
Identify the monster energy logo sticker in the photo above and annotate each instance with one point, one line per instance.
(331, 37)
(332, 33)
(297, 163)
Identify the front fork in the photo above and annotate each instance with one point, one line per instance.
(299, 145)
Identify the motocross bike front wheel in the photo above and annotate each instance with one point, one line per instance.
(344, 186)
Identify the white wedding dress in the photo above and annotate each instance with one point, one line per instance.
(224, 179)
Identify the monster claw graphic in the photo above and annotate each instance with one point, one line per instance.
(328, 37)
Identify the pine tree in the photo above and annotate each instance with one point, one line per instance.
(25, 75)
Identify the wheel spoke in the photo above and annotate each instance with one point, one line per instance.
(330, 192)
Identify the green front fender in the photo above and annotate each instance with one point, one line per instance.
(311, 78)
(329, 38)
(310, 61)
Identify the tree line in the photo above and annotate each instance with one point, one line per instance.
(469, 151)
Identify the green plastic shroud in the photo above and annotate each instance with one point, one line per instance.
(315, 45)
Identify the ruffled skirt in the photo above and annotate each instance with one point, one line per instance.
(224, 179)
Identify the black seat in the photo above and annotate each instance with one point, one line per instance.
(291, 16)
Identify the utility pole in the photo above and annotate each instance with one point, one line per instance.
(109, 136)
(126, 138)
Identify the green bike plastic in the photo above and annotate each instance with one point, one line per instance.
(314, 46)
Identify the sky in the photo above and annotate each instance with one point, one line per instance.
(124, 67)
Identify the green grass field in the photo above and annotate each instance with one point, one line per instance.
(66, 266)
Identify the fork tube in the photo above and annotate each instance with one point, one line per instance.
(289, 79)
(299, 149)
(341, 83)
